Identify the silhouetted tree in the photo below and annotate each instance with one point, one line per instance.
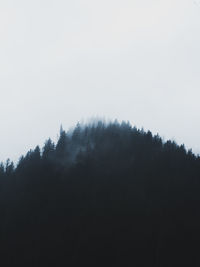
(9, 167)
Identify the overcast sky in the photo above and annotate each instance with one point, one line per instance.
(62, 61)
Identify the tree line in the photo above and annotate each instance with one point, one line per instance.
(104, 193)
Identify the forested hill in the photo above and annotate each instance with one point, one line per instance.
(104, 194)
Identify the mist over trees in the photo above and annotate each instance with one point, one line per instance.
(104, 194)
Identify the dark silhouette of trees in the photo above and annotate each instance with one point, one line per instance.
(104, 194)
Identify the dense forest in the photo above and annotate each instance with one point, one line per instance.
(104, 194)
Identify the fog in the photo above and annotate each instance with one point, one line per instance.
(66, 61)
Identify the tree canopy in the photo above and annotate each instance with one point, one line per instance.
(105, 193)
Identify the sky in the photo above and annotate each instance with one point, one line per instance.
(64, 61)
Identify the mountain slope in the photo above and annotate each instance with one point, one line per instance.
(104, 194)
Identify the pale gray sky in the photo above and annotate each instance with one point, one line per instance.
(63, 61)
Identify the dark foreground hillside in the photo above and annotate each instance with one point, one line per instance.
(103, 195)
